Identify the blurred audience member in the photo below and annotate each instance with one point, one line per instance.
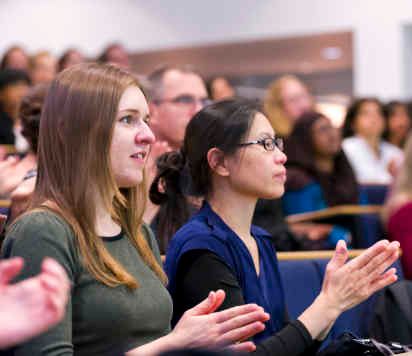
(43, 67)
(15, 58)
(373, 160)
(115, 54)
(14, 84)
(30, 307)
(14, 171)
(318, 172)
(175, 96)
(398, 123)
(68, 58)
(287, 98)
(219, 88)
(397, 212)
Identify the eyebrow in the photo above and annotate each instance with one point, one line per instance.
(134, 111)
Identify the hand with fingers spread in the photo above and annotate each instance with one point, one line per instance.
(347, 284)
(202, 327)
(32, 306)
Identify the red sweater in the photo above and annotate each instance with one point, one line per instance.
(400, 229)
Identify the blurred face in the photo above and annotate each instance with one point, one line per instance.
(17, 59)
(11, 97)
(44, 69)
(117, 55)
(184, 94)
(295, 99)
(74, 57)
(369, 123)
(221, 89)
(255, 171)
(326, 138)
(131, 140)
(399, 123)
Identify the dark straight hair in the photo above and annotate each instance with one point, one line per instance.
(186, 173)
(353, 112)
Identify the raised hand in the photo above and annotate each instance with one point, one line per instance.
(199, 328)
(348, 284)
(30, 307)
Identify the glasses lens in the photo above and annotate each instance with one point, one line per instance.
(269, 144)
(279, 143)
(184, 99)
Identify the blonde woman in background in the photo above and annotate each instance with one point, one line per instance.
(287, 98)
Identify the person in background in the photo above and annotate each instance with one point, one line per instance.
(175, 95)
(15, 58)
(373, 160)
(43, 67)
(115, 54)
(233, 157)
(14, 84)
(397, 211)
(319, 174)
(70, 57)
(30, 307)
(219, 88)
(86, 214)
(398, 123)
(17, 174)
(286, 99)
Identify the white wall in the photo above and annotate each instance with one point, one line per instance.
(378, 27)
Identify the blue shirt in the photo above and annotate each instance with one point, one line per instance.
(207, 231)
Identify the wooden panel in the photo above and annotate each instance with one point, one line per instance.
(301, 54)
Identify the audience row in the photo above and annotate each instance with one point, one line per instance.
(97, 138)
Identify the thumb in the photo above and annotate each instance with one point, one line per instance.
(9, 269)
(208, 305)
(340, 256)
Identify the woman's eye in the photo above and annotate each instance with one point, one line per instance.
(126, 119)
(146, 120)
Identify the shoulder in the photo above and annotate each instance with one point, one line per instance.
(391, 149)
(351, 143)
(148, 235)
(39, 226)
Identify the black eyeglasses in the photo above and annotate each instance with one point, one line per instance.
(185, 100)
(268, 143)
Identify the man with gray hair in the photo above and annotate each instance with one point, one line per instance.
(175, 96)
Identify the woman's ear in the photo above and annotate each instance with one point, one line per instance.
(217, 162)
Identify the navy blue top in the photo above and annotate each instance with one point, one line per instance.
(207, 231)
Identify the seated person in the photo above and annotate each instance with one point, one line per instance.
(398, 123)
(14, 170)
(86, 213)
(373, 160)
(318, 172)
(397, 212)
(233, 158)
(14, 84)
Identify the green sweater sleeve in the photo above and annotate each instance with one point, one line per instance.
(34, 237)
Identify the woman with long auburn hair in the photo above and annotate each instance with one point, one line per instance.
(86, 213)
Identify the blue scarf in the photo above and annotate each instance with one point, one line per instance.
(207, 231)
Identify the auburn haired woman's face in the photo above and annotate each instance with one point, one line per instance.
(257, 171)
(131, 140)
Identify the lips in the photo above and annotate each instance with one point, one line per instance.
(139, 157)
(281, 175)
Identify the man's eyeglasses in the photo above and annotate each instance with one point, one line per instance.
(185, 100)
(268, 144)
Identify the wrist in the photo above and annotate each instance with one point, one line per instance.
(330, 311)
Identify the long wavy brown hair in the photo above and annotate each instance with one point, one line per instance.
(74, 166)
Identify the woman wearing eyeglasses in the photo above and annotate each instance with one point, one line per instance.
(233, 158)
